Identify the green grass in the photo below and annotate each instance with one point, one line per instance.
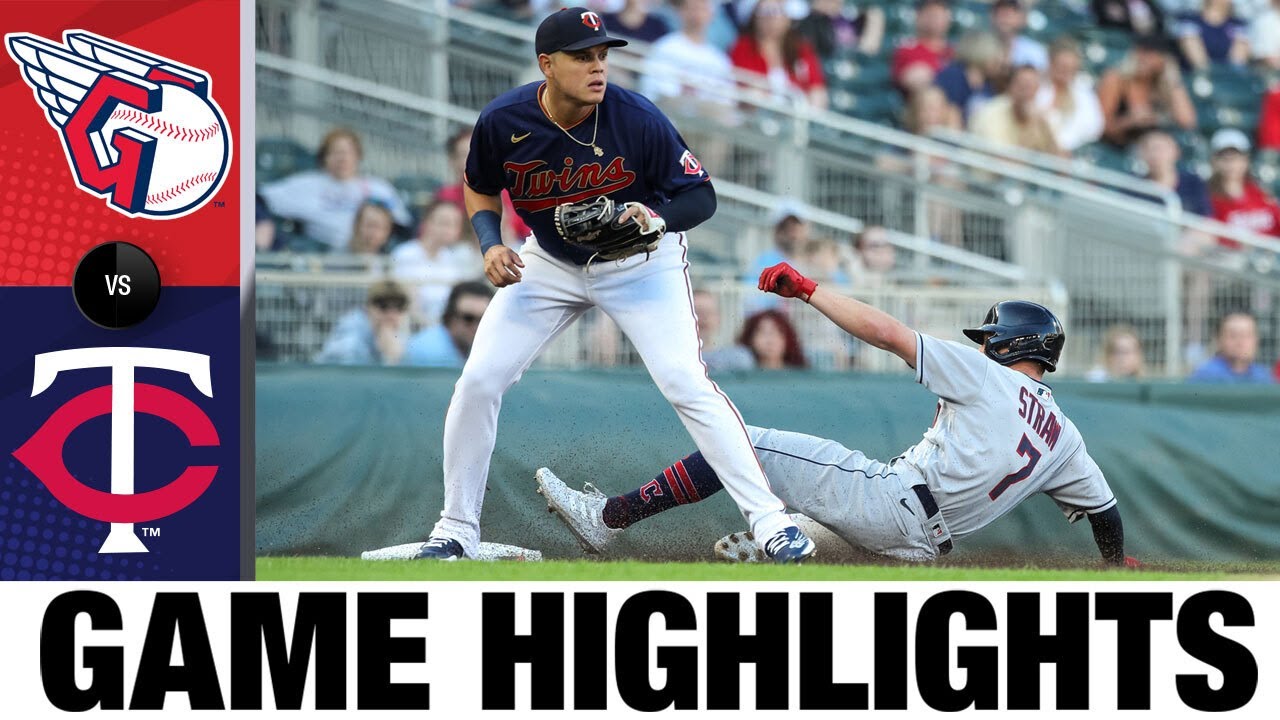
(352, 569)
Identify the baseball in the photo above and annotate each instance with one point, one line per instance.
(191, 147)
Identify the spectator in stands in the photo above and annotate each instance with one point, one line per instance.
(1121, 356)
(371, 231)
(1140, 17)
(635, 21)
(1068, 99)
(514, 231)
(771, 46)
(927, 108)
(684, 66)
(1212, 36)
(1269, 121)
(970, 81)
(325, 201)
(790, 235)
(264, 226)
(1145, 91)
(876, 257)
(1237, 353)
(448, 343)
(733, 357)
(773, 341)
(918, 61)
(436, 261)
(1013, 118)
(1008, 20)
(374, 334)
(1264, 37)
(834, 29)
(820, 259)
(1237, 199)
(1160, 154)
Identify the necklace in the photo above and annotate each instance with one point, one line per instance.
(595, 129)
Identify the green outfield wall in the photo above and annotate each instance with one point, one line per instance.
(349, 459)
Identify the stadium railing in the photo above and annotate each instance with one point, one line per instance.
(1122, 260)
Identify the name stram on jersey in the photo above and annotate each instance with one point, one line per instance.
(1043, 422)
(533, 189)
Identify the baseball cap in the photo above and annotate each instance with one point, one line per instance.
(920, 4)
(788, 208)
(387, 292)
(1154, 42)
(572, 28)
(1229, 139)
(1006, 3)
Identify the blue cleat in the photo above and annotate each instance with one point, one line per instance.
(790, 546)
(440, 548)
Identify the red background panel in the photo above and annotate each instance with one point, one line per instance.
(46, 222)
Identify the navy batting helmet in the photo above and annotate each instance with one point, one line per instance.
(1018, 330)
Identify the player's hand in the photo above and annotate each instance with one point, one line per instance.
(784, 280)
(649, 221)
(1132, 562)
(502, 266)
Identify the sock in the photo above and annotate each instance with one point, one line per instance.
(687, 481)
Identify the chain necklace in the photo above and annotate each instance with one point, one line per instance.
(594, 131)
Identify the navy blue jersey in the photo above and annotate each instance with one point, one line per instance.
(516, 147)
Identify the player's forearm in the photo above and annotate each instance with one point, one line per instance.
(867, 323)
(1108, 533)
(689, 209)
(486, 217)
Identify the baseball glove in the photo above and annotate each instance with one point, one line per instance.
(594, 226)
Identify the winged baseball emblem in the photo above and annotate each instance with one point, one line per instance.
(141, 130)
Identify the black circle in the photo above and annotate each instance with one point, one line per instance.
(116, 285)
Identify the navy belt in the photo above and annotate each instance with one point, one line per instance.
(930, 509)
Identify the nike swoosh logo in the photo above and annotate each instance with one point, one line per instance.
(905, 505)
(516, 139)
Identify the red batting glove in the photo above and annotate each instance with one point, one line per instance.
(784, 280)
(1132, 562)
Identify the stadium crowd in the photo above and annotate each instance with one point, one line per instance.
(1043, 89)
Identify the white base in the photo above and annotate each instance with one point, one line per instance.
(488, 552)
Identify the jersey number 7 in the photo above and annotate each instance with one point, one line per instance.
(1027, 450)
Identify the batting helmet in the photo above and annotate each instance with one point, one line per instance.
(1018, 330)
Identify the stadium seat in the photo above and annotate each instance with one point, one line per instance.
(280, 157)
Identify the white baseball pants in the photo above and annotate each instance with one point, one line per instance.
(650, 299)
(868, 503)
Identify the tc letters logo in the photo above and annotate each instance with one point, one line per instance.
(43, 452)
(140, 130)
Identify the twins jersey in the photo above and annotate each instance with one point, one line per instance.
(998, 438)
(516, 147)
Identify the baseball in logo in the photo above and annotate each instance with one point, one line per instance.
(138, 129)
(591, 20)
(42, 453)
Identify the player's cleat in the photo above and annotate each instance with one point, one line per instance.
(581, 512)
(739, 547)
(440, 548)
(790, 546)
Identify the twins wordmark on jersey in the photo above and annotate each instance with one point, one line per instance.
(516, 147)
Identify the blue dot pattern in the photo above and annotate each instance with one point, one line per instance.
(40, 539)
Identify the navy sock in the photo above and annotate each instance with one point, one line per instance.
(687, 481)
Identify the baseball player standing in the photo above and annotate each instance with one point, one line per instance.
(997, 438)
(566, 140)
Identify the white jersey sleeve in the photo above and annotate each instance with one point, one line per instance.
(1080, 488)
(950, 370)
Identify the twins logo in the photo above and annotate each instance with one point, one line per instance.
(43, 452)
(140, 130)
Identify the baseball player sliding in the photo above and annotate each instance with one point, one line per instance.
(997, 438)
(609, 189)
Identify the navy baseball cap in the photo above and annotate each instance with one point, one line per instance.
(572, 28)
